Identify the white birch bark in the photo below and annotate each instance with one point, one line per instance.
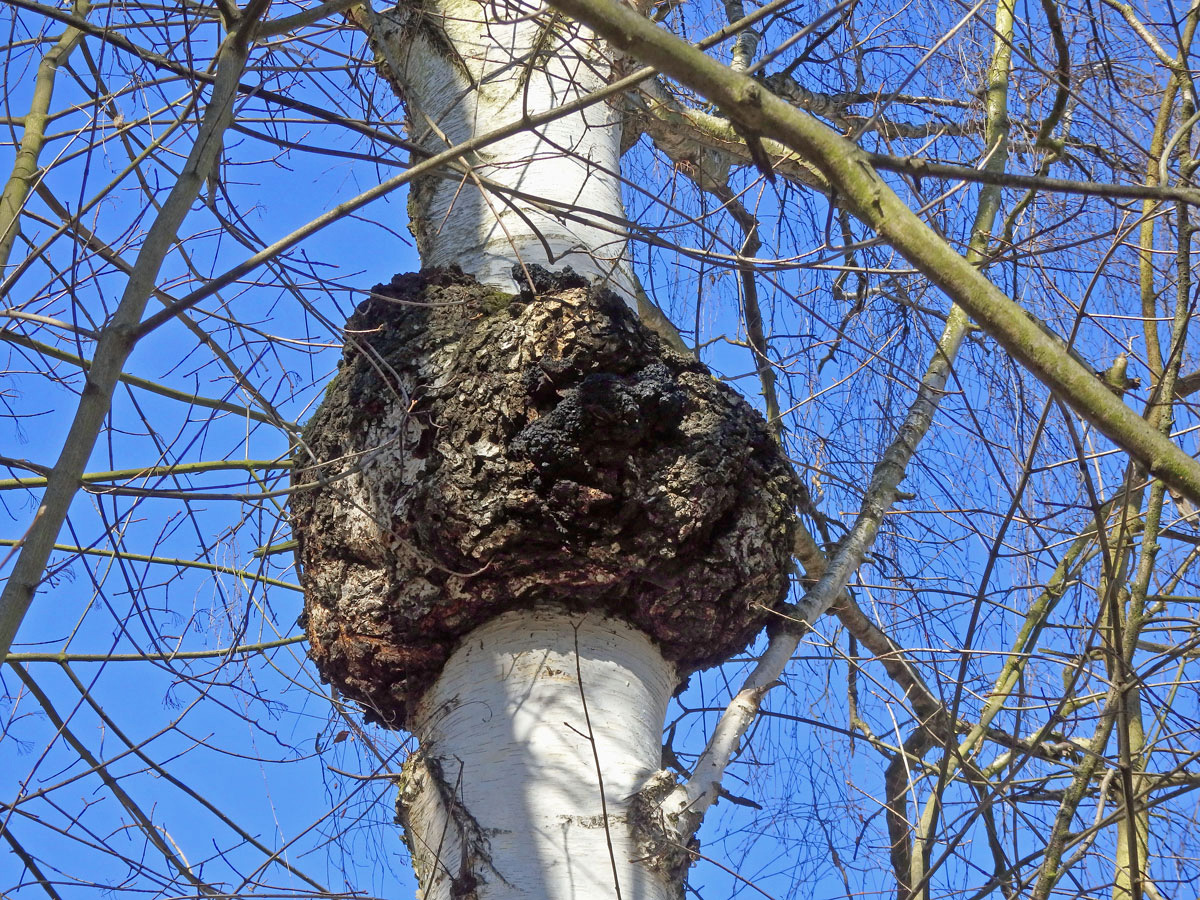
(465, 67)
(504, 798)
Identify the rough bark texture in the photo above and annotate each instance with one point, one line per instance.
(479, 452)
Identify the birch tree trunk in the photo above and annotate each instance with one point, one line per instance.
(463, 67)
(488, 431)
(520, 790)
(542, 727)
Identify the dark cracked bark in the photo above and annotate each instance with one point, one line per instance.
(478, 453)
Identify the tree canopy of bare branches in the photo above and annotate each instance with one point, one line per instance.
(945, 249)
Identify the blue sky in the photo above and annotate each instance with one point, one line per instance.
(257, 736)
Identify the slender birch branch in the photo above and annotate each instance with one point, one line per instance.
(689, 802)
(275, 27)
(745, 45)
(995, 92)
(65, 658)
(1124, 640)
(701, 790)
(33, 137)
(29, 862)
(145, 384)
(192, 468)
(923, 168)
(268, 415)
(144, 822)
(166, 561)
(1177, 65)
(162, 772)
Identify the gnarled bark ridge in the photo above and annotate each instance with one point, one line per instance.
(479, 453)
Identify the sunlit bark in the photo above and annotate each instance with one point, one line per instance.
(464, 67)
(535, 742)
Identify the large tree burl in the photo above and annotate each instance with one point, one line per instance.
(478, 453)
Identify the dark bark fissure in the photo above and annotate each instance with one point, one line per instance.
(658, 838)
(422, 772)
(480, 452)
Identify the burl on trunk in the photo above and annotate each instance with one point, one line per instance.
(522, 522)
